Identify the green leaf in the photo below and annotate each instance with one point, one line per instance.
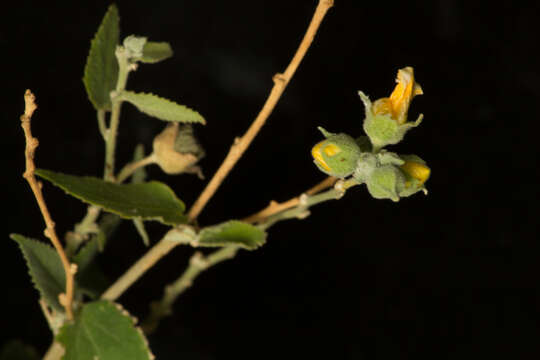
(232, 233)
(103, 330)
(17, 350)
(154, 52)
(149, 201)
(161, 108)
(101, 70)
(45, 269)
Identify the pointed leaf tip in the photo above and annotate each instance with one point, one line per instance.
(101, 69)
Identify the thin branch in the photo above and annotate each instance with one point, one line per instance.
(31, 144)
(280, 83)
(130, 168)
(55, 352)
(275, 207)
(164, 246)
(197, 264)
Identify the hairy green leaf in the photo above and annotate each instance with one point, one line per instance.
(232, 233)
(45, 269)
(161, 108)
(154, 52)
(103, 330)
(101, 70)
(150, 201)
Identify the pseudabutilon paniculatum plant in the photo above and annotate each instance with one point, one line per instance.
(79, 304)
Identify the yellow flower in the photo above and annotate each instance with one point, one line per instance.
(398, 103)
(416, 171)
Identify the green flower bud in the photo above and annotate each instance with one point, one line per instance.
(177, 150)
(337, 155)
(366, 164)
(416, 173)
(386, 182)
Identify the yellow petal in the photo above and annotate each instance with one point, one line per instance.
(316, 153)
(397, 105)
(331, 149)
(416, 170)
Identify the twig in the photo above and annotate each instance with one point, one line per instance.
(130, 168)
(280, 83)
(275, 207)
(164, 246)
(55, 352)
(31, 145)
(197, 264)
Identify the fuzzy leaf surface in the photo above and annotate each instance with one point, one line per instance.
(149, 201)
(154, 52)
(232, 233)
(101, 69)
(103, 330)
(161, 108)
(45, 269)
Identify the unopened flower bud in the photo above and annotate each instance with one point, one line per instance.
(337, 155)
(416, 174)
(177, 150)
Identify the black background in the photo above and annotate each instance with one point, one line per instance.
(451, 275)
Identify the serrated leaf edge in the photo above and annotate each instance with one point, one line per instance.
(112, 9)
(156, 218)
(57, 306)
(125, 313)
(121, 95)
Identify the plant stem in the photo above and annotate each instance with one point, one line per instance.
(112, 131)
(300, 211)
(280, 83)
(130, 168)
(55, 352)
(80, 233)
(197, 264)
(29, 174)
(164, 246)
(275, 207)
